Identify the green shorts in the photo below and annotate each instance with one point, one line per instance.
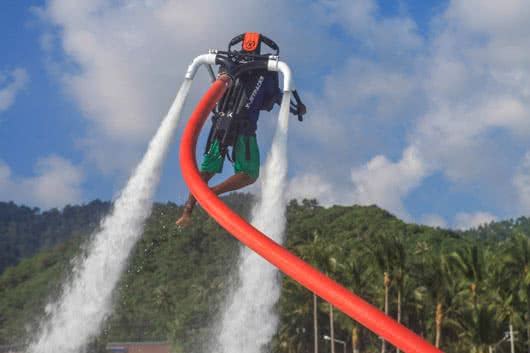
(246, 157)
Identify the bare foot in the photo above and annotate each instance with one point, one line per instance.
(184, 220)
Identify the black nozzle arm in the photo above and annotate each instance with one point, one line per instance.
(298, 105)
(233, 70)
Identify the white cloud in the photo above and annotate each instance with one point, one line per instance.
(521, 182)
(385, 183)
(313, 186)
(433, 220)
(457, 138)
(17, 81)
(494, 17)
(438, 101)
(359, 18)
(57, 182)
(129, 58)
(5, 177)
(471, 96)
(474, 92)
(367, 100)
(364, 105)
(375, 90)
(465, 220)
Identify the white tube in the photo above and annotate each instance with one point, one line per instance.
(208, 59)
(77, 316)
(280, 66)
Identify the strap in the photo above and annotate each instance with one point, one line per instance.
(233, 157)
(209, 141)
(237, 128)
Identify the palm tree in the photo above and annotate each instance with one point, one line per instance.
(355, 339)
(507, 304)
(399, 271)
(296, 308)
(331, 328)
(481, 326)
(355, 272)
(330, 266)
(315, 323)
(518, 266)
(162, 298)
(320, 254)
(470, 262)
(382, 251)
(437, 281)
(415, 305)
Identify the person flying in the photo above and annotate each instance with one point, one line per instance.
(234, 123)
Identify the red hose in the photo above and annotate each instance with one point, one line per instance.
(350, 304)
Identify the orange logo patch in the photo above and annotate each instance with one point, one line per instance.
(250, 41)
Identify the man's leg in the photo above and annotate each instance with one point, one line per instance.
(235, 182)
(190, 203)
(212, 163)
(246, 171)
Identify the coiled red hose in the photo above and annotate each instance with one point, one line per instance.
(315, 281)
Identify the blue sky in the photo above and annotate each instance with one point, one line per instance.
(421, 107)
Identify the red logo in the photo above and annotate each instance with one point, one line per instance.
(251, 41)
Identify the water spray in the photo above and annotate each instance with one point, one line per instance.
(251, 305)
(86, 300)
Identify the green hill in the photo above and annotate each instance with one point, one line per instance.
(24, 231)
(177, 279)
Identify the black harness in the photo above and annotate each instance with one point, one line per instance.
(231, 114)
(229, 119)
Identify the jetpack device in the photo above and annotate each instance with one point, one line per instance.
(246, 67)
(251, 52)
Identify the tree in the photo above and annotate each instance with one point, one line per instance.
(438, 283)
(481, 326)
(382, 250)
(469, 261)
(518, 267)
(321, 254)
(296, 308)
(358, 275)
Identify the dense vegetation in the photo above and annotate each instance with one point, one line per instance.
(24, 230)
(460, 290)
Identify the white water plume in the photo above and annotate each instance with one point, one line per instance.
(249, 320)
(86, 300)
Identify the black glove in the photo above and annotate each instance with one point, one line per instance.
(297, 107)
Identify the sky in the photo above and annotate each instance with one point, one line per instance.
(419, 107)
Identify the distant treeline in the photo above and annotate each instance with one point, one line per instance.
(459, 290)
(24, 230)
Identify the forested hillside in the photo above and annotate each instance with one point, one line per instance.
(24, 230)
(460, 290)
